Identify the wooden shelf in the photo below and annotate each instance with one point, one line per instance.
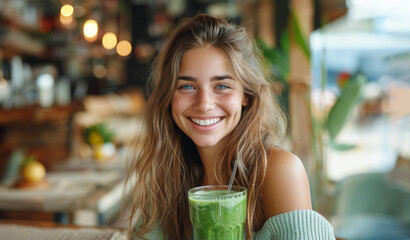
(17, 44)
(35, 113)
(12, 21)
(18, 37)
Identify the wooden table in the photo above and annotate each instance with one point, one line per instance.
(96, 194)
(35, 230)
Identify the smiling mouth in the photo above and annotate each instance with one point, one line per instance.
(206, 122)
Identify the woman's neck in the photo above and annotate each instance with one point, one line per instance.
(208, 156)
(208, 180)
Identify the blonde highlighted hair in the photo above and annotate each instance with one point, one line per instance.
(168, 164)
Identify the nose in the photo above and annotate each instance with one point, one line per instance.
(204, 101)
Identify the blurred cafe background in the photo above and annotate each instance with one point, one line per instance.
(73, 78)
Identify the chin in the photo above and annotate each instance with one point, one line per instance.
(202, 143)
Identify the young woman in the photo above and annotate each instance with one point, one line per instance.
(211, 105)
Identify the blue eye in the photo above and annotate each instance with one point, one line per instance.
(186, 87)
(222, 87)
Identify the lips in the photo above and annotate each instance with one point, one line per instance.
(205, 122)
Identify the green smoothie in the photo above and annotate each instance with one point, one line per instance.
(216, 214)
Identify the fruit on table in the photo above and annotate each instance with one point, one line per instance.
(103, 152)
(33, 171)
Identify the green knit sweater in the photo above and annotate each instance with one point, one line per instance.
(299, 224)
(295, 225)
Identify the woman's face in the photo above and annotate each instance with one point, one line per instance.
(207, 101)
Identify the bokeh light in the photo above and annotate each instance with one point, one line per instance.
(90, 30)
(67, 10)
(124, 48)
(109, 40)
(99, 71)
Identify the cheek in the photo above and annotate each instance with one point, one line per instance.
(177, 106)
(235, 101)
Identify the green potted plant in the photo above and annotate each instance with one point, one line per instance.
(100, 138)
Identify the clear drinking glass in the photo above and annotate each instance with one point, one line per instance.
(216, 213)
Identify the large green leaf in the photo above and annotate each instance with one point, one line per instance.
(278, 59)
(340, 112)
(299, 36)
(341, 146)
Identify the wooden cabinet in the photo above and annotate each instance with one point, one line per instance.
(43, 132)
(19, 37)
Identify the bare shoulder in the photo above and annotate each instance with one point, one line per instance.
(286, 185)
(282, 163)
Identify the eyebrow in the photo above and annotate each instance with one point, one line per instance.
(214, 78)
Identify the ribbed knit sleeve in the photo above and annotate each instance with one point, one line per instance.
(299, 224)
(154, 234)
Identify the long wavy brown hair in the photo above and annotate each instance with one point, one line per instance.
(167, 163)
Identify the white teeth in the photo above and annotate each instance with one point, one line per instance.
(205, 122)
